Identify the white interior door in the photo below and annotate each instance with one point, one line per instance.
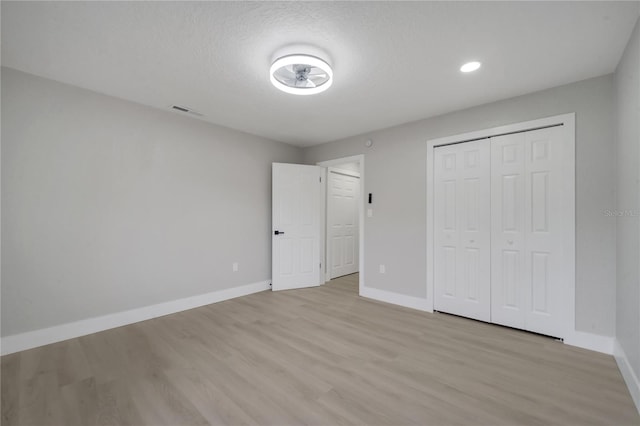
(462, 229)
(296, 201)
(343, 196)
(527, 237)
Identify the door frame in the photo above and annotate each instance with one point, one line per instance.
(567, 121)
(326, 230)
(323, 216)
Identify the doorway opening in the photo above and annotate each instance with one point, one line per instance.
(343, 220)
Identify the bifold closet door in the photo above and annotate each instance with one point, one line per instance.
(508, 249)
(526, 238)
(462, 229)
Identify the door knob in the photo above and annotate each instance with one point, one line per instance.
(278, 232)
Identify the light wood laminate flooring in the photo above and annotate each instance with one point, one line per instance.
(320, 356)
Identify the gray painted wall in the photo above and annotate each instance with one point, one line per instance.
(627, 87)
(395, 168)
(108, 205)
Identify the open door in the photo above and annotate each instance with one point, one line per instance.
(296, 200)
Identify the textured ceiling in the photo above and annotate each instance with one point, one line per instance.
(393, 62)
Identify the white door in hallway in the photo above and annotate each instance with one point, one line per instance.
(527, 235)
(462, 229)
(343, 196)
(296, 227)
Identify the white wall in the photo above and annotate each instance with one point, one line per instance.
(627, 88)
(396, 176)
(108, 205)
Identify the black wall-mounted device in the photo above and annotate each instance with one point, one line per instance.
(370, 198)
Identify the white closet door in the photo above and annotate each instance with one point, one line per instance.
(462, 229)
(527, 245)
(508, 248)
(543, 209)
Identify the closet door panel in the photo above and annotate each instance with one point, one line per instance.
(508, 248)
(526, 243)
(544, 313)
(462, 229)
(446, 227)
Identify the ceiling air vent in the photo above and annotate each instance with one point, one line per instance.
(187, 110)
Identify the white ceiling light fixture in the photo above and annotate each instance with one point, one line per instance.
(470, 66)
(301, 74)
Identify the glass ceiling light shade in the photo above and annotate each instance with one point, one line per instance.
(301, 74)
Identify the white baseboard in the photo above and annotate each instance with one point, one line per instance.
(58, 333)
(396, 298)
(630, 377)
(593, 342)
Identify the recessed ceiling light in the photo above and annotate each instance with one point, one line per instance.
(301, 74)
(470, 66)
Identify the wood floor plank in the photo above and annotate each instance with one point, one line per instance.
(159, 402)
(318, 356)
(10, 389)
(115, 405)
(80, 402)
(211, 401)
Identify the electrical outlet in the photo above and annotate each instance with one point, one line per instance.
(383, 269)
(369, 212)
(235, 266)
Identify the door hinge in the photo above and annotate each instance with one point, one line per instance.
(320, 265)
